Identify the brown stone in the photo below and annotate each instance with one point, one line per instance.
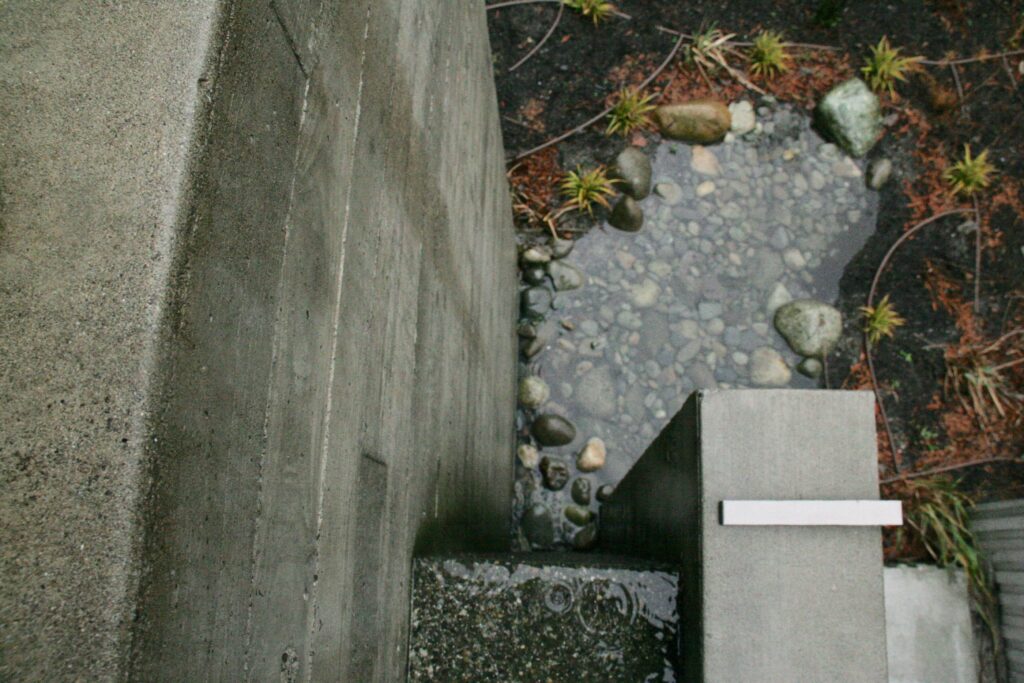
(697, 122)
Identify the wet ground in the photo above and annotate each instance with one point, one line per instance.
(542, 619)
(731, 232)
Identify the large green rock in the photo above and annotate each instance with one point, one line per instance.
(699, 122)
(851, 115)
(811, 328)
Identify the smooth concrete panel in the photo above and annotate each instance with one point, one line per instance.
(101, 108)
(928, 626)
(771, 604)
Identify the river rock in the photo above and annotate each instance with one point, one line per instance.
(879, 173)
(565, 276)
(535, 302)
(778, 297)
(811, 328)
(553, 430)
(743, 120)
(577, 514)
(556, 473)
(633, 169)
(810, 367)
(585, 538)
(533, 391)
(534, 275)
(596, 393)
(537, 254)
(592, 457)
(669, 192)
(699, 122)
(627, 215)
(851, 115)
(528, 455)
(605, 492)
(581, 490)
(768, 369)
(561, 248)
(704, 161)
(538, 526)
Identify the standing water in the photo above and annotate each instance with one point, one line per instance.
(731, 232)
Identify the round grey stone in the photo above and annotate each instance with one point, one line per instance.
(533, 392)
(633, 169)
(811, 328)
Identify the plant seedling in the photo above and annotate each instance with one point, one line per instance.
(768, 57)
(587, 188)
(597, 10)
(881, 320)
(885, 66)
(629, 113)
(970, 174)
(906, 355)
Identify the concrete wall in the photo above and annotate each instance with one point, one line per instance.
(928, 626)
(773, 604)
(999, 529)
(256, 260)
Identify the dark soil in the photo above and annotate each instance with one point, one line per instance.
(571, 78)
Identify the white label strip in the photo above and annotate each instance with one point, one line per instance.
(812, 513)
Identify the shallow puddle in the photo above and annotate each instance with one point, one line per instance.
(731, 232)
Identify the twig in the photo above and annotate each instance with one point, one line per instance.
(959, 89)
(1013, 79)
(977, 256)
(969, 60)
(586, 124)
(897, 461)
(950, 468)
(511, 3)
(554, 25)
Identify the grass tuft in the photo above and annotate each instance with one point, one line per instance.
(585, 189)
(768, 57)
(881, 320)
(629, 113)
(597, 10)
(885, 66)
(970, 174)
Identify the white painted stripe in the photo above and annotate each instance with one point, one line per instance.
(812, 513)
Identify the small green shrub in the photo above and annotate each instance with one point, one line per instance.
(881, 320)
(938, 517)
(885, 66)
(768, 57)
(584, 189)
(629, 113)
(970, 174)
(598, 10)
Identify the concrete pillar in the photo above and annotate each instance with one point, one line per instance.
(774, 604)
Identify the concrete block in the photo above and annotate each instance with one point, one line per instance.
(928, 626)
(764, 603)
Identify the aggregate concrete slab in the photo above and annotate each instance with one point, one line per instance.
(772, 603)
(928, 626)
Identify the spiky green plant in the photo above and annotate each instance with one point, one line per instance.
(937, 515)
(597, 10)
(584, 189)
(629, 113)
(970, 174)
(885, 66)
(768, 56)
(880, 320)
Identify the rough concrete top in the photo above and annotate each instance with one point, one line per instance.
(97, 103)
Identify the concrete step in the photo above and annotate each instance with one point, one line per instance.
(542, 617)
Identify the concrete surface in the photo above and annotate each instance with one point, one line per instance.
(999, 528)
(256, 259)
(928, 626)
(775, 604)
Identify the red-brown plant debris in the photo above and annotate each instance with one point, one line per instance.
(534, 183)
